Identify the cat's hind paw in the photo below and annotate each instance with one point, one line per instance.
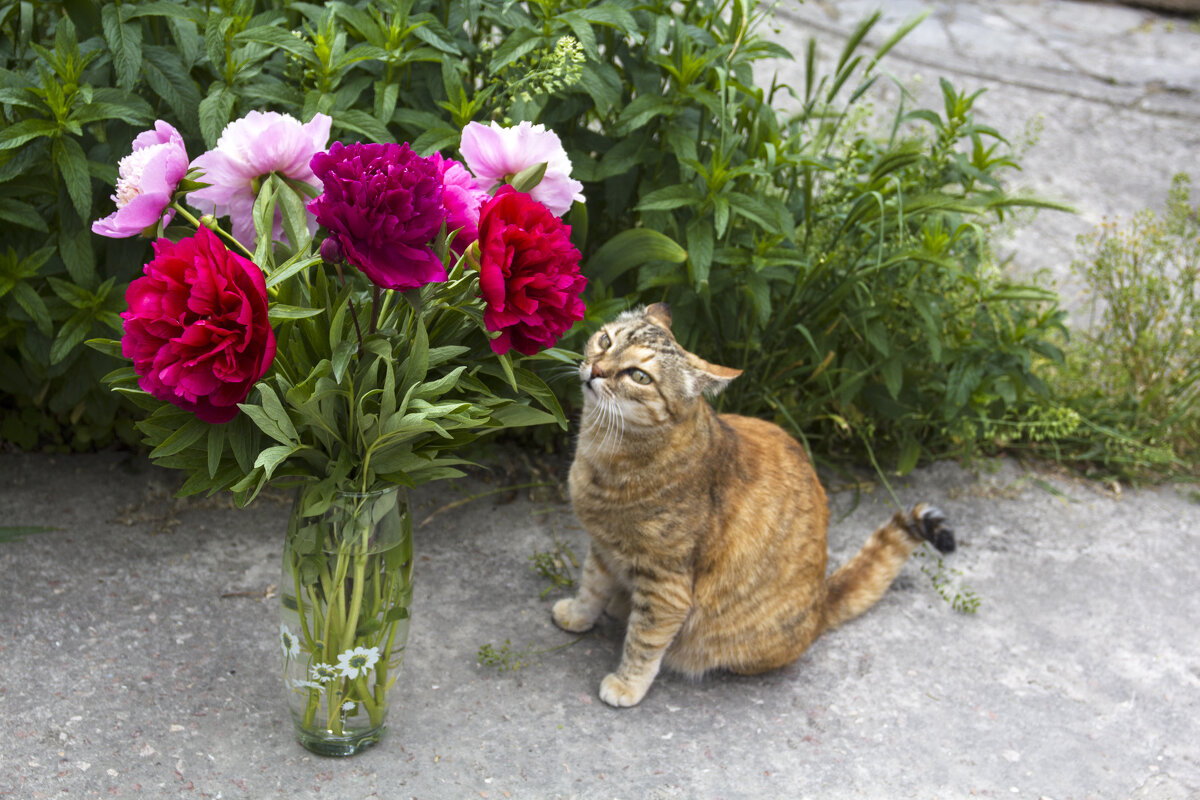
(929, 523)
(619, 693)
(567, 616)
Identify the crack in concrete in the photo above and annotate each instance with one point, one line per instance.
(960, 67)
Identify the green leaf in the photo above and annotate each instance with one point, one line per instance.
(296, 264)
(181, 439)
(278, 312)
(670, 197)
(700, 250)
(519, 415)
(11, 533)
(270, 417)
(264, 222)
(342, 353)
(439, 138)
(71, 334)
(362, 123)
(294, 217)
(73, 167)
(893, 376)
(110, 347)
(124, 43)
(75, 249)
(26, 130)
(910, 454)
(22, 214)
(169, 79)
(416, 366)
(215, 112)
(630, 249)
(270, 459)
(531, 176)
(279, 37)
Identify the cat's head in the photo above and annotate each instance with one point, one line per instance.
(634, 367)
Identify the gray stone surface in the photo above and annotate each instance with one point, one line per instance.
(140, 657)
(138, 649)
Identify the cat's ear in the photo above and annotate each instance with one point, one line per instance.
(659, 314)
(713, 378)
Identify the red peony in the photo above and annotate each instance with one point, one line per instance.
(528, 273)
(197, 328)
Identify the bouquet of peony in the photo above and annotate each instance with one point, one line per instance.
(363, 318)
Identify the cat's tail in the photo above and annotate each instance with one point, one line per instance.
(862, 580)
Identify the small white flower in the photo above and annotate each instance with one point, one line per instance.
(323, 673)
(358, 661)
(349, 705)
(300, 685)
(291, 646)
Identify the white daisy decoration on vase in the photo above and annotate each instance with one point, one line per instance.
(358, 661)
(289, 642)
(323, 673)
(349, 705)
(302, 685)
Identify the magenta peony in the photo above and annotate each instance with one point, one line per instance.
(528, 273)
(197, 328)
(383, 203)
(147, 180)
(251, 148)
(495, 154)
(462, 197)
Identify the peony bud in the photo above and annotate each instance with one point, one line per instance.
(331, 250)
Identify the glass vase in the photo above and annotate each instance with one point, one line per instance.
(346, 592)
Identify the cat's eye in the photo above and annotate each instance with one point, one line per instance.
(605, 342)
(641, 377)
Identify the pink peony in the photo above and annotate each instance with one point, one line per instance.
(528, 273)
(461, 196)
(383, 205)
(250, 149)
(197, 328)
(148, 177)
(495, 154)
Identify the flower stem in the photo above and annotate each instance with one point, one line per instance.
(375, 308)
(183, 212)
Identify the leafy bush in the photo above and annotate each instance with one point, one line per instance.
(848, 273)
(1134, 375)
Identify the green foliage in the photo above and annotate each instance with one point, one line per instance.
(947, 582)
(555, 566)
(847, 273)
(506, 659)
(1134, 375)
(13, 533)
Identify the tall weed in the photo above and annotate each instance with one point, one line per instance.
(1133, 374)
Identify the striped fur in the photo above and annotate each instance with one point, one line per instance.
(707, 530)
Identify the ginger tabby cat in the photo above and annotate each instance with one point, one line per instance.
(707, 530)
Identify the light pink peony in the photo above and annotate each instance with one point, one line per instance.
(462, 196)
(495, 154)
(251, 148)
(147, 179)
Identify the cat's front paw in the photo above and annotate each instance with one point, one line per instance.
(568, 617)
(618, 692)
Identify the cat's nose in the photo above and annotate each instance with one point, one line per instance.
(593, 372)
